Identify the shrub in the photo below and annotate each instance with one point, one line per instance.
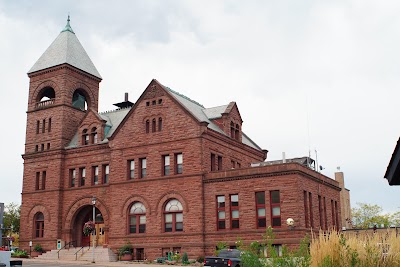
(220, 245)
(200, 259)
(125, 249)
(38, 248)
(185, 259)
(176, 257)
(20, 253)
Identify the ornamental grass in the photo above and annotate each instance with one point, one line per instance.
(336, 249)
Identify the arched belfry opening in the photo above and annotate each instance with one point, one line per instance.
(80, 100)
(82, 216)
(46, 94)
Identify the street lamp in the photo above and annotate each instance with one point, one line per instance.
(94, 222)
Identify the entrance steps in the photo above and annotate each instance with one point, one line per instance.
(86, 254)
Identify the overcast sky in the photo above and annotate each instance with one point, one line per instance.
(306, 75)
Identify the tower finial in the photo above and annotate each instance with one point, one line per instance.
(67, 27)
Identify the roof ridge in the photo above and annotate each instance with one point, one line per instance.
(217, 106)
(113, 110)
(185, 97)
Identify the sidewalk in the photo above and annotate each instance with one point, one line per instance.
(106, 264)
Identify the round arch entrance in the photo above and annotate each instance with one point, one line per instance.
(84, 215)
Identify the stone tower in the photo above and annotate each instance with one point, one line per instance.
(64, 85)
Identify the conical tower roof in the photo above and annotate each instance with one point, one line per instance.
(66, 48)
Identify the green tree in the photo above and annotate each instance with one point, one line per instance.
(11, 218)
(367, 215)
(395, 218)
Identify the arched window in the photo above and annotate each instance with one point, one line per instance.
(147, 126)
(173, 216)
(79, 100)
(232, 130)
(94, 135)
(237, 132)
(160, 124)
(85, 137)
(137, 218)
(39, 224)
(45, 97)
(153, 125)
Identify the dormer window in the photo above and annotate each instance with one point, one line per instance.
(237, 132)
(85, 137)
(232, 130)
(94, 135)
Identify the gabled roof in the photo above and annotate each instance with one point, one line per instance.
(207, 115)
(113, 120)
(66, 49)
(197, 111)
(215, 112)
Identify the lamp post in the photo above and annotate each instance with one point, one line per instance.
(94, 222)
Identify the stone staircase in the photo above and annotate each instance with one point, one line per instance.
(86, 254)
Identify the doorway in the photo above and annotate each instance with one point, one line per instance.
(84, 215)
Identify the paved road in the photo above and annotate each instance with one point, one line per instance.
(45, 263)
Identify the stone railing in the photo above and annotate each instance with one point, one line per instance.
(46, 103)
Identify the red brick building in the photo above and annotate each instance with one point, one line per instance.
(167, 173)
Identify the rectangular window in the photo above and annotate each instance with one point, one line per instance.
(233, 164)
(82, 174)
(333, 214)
(238, 165)
(234, 211)
(168, 223)
(275, 208)
(143, 166)
(37, 126)
(336, 214)
(87, 139)
(41, 147)
(37, 181)
(39, 228)
(260, 207)
(306, 209)
(179, 163)
(95, 170)
(153, 125)
(278, 249)
(131, 173)
(220, 212)
(321, 221)
(106, 172)
(311, 208)
(166, 163)
(219, 163)
(43, 180)
(212, 162)
(49, 127)
(72, 175)
(44, 126)
(48, 146)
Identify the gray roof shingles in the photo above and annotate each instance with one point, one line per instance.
(114, 118)
(66, 48)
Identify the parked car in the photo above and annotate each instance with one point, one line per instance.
(225, 258)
